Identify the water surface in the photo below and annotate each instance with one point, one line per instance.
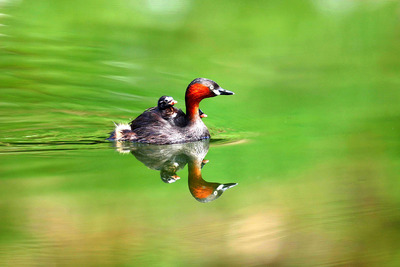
(311, 135)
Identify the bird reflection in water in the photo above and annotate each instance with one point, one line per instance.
(169, 159)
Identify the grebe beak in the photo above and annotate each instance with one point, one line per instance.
(221, 91)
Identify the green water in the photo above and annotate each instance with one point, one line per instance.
(312, 135)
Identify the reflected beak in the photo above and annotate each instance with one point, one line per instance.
(221, 91)
(227, 186)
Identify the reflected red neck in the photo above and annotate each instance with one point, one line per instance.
(197, 185)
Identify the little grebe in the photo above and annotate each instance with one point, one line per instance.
(165, 109)
(202, 114)
(150, 127)
(165, 106)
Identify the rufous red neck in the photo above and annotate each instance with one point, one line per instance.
(192, 109)
(193, 96)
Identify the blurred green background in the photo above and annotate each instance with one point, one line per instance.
(312, 135)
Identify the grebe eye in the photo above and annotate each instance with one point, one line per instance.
(211, 87)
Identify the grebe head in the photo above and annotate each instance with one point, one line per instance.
(166, 102)
(201, 88)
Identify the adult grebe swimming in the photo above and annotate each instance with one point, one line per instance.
(177, 127)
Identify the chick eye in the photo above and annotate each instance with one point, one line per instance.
(211, 87)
